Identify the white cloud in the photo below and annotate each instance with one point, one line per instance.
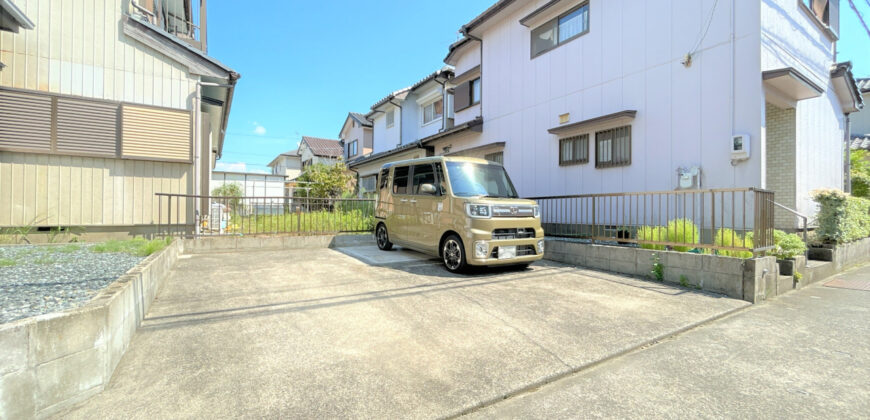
(231, 167)
(259, 129)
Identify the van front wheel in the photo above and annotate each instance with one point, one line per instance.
(383, 238)
(453, 254)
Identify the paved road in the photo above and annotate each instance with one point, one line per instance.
(803, 355)
(326, 334)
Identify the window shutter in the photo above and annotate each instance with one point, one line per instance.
(834, 12)
(462, 97)
(89, 127)
(156, 133)
(25, 121)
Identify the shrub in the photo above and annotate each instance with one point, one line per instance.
(787, 245)
(841, 217)
(729, 238)
(683, 231)
(136, 246)
(651, 233)
(325, 181)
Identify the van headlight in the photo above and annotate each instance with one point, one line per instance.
(537, 210)
(480, 249)
(478, 211)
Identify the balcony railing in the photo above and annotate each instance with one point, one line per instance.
(735, 220)
(175, 17)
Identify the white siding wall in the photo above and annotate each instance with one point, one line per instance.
(790, 39)
(630, 59)
(465, 61)
(385, 138)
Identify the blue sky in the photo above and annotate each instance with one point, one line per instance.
(304, 66)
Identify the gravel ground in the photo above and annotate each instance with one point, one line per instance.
(37, 280)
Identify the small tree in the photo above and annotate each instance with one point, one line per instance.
(325, 181)
(231, 190)
(860, 173)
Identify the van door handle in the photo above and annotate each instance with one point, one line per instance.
(413, 201)
(403, 200)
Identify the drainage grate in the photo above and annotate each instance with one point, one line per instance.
(857, 284)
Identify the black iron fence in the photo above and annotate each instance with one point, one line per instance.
(206, 215)
(729, 220)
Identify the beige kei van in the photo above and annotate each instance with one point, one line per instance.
(464, 210)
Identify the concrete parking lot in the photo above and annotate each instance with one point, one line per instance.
(356, 332)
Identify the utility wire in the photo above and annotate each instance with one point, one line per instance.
(707, 28)
(861, 18)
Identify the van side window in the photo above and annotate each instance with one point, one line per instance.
(423, 174)
(385, 173)
(400, 180)
(439, 173)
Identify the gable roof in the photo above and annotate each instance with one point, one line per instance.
(323, 147)
(289, 153)
(360, 119)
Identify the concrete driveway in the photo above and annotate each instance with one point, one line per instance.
(357, 332)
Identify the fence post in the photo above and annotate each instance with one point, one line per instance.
(594, 226)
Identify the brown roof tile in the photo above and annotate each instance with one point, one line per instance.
(323, 147)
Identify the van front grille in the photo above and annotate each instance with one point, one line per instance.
(513, 233)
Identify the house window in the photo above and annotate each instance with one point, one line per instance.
(475, 91)
(367, 183)
(391, 118)
(574, 150)
(433, 111)
(560, 30)
(613, 147)
(352, 148)
(820, 8)
(497, 157)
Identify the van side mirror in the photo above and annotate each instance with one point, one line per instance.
(428, 189)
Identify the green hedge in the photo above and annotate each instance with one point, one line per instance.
(841, 217)
(727, 237)
(683, 231)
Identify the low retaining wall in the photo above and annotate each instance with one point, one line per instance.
(242, 243)
(845, 255)
(734, 277)
(51, 362)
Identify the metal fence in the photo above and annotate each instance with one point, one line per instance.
(206, 215)
(721, 219)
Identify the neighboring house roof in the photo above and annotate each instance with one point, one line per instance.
(323, 147)
(360, 118)
(846, 88)
(446, 71)
(401, 93)
(486, 15)
(289, 153)
(12, 18)
(861, 142)
(863, 84)
(456, 46)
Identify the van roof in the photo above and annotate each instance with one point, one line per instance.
(436, 159)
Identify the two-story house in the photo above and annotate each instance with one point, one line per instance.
(288, 164)
(317, 150)
(103, 105)
(407, 122)
(591, 96)
(356, 136)
(860, 121)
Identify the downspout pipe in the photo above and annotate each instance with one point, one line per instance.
(847, 138)
(480, 40)
(401, 126)
(443, 105)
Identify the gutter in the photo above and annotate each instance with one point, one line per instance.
(401, 126)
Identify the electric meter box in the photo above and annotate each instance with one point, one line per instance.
(740, 146)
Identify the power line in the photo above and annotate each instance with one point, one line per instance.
(861, 18)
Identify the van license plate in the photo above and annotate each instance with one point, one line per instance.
(507, 252)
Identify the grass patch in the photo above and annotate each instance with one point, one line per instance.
(137, 246)
(6, 262)
(310, 222)
(67, 249)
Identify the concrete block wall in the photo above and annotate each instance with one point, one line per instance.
(51, 362)
(708, 272)
(241, 243)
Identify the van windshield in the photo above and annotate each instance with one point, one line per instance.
(469, 179)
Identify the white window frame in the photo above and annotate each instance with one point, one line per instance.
(423, 121)
(390, 115)
(555, 23)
